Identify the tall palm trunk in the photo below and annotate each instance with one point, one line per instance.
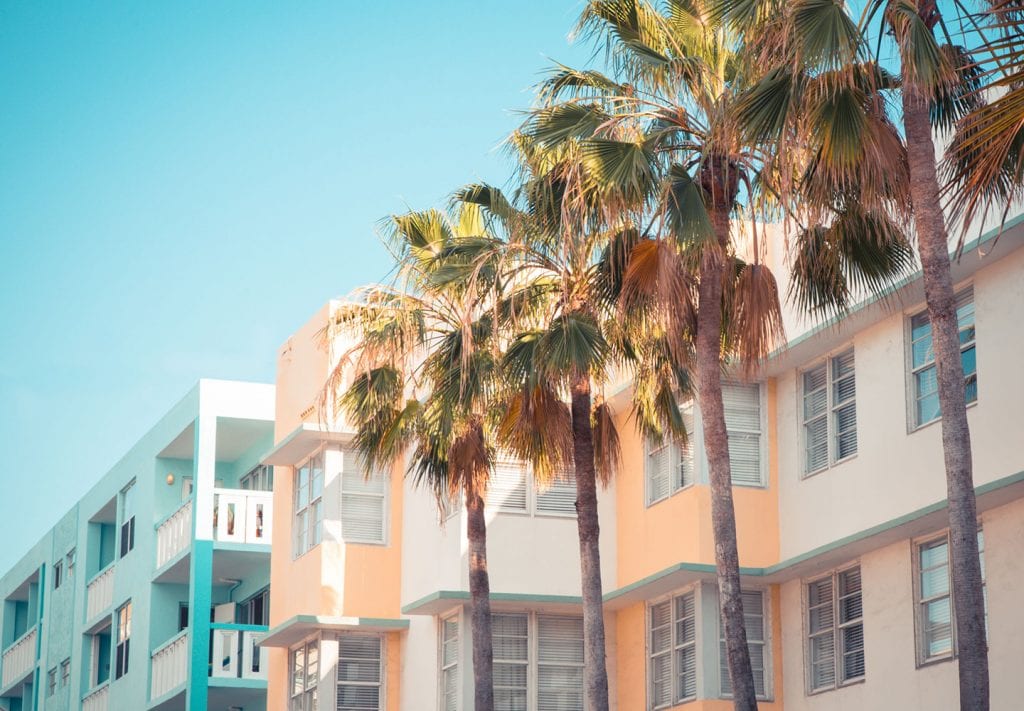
(716, 445)
(479, 603)
(595, 672)
(933, 241)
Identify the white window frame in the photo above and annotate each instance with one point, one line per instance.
(680, 457)
(698, 455)
(259, 478)
(765, 643)
(298, 701)
(533, 664)
(69, 566)
(51, 682)
(923, 658)
(832, 410)
(312, 527)
(675, 646)
(963, 296)
(380, 684)
(122, 637)
(58, 573)
(836, 630)
(446, 668)
(532, 495)
(383, 497)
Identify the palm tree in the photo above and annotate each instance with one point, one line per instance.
(565, 335)
(425, 370)
(826, 83)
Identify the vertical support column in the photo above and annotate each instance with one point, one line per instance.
(201, 566)
(708, 644)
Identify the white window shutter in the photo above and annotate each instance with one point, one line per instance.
(506, 490)
(450, 663)
(360, 673)
(753, 620)
(559, 663)
(743, 421)
(685, 467)
(363, 502)
(659, 471)
(560, 496)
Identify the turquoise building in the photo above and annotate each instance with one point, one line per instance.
(152, 592)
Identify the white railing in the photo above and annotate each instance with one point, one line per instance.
(170, 665)
(96, 700)
(242, 516)
(19, 658)
(174, 534)
(236, 653)
(99, 594)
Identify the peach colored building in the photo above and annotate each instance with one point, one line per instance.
(839, 488)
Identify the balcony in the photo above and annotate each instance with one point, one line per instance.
(19, 659)
(240, 517)
(236, 652)
(97, 699)
(170, 665)
(99, 594)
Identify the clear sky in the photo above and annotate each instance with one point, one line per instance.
(183, 184)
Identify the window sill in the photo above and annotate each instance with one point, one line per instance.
(837, 687)
(932, 661)
(929, 423)
(831, 466)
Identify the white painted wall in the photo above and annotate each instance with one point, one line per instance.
(892, 679)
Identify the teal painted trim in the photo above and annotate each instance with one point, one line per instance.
(230, 682)
(37, 681)
(239, 627)
(463, 595)
(893, 288)
(201, 602)
(706, 568)
(242, 547)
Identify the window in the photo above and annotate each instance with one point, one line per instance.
(58, 569)
(127, 519)
(309, 505)
(51, 682)
(922, 356)
(259, 479)
(670, 465)
(512, 489)
(829, 412)
(670, 468)
(360, 675)
(65, 672)
(182, 616)
(124, 633)
(936, 618)
(363, 501)
(305, 666)
(553, 680)
(754, 621)
(99, 656)
(672, 651)
(450, 663)
(256, 610)
(835, 630)
(71, 558)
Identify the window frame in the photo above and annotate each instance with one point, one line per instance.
(312, 534)
(302, 696)
(454, 666)
(58, 573)
(65, 672)
(692, 591)
(836, 629)
(259, 478)
(126, 504)
(384, 497)
(964, 294)
(70, 560)
(51, 682)
(766, 644)
(381, 683)
(695, 443)
(122, 639)
(832, 408)
(921, 656)
(532, 494)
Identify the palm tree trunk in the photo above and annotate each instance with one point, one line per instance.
(716, 445)
(933, 241)
(480, 604)
(595, 672)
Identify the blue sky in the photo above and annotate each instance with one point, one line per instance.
(183, 184)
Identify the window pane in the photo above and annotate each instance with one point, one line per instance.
(686, 669)
(853, 652)
(661, 680)
(823, 666)
(938, 627)
(816, 438)
(302, 487)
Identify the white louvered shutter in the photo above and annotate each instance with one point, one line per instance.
(506, 490)
(559, 663)
(743, 422)
(844, 405)
(686, 646)
(821, 634)
(510, 637)
(450, 663)
(753, 620)
(816, 418)
(659, 471)
(560, 496)
(686, 472)
(359, 673)
(363, 502)
(660, 649)
(851, 624)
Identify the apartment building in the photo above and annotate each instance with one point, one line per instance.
(839, 491)
(152, 591)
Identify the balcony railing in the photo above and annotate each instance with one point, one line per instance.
(96, 700)
(242, 516)
(174, 534)
(236, 652)
(99, 593)
(170, 665)
(19, 658)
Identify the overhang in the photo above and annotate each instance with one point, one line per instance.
(302, 442)
(300, 627)
(441, 601)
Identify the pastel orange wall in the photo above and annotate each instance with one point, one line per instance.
(393, 670)
(678, 529)
(302, 369)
